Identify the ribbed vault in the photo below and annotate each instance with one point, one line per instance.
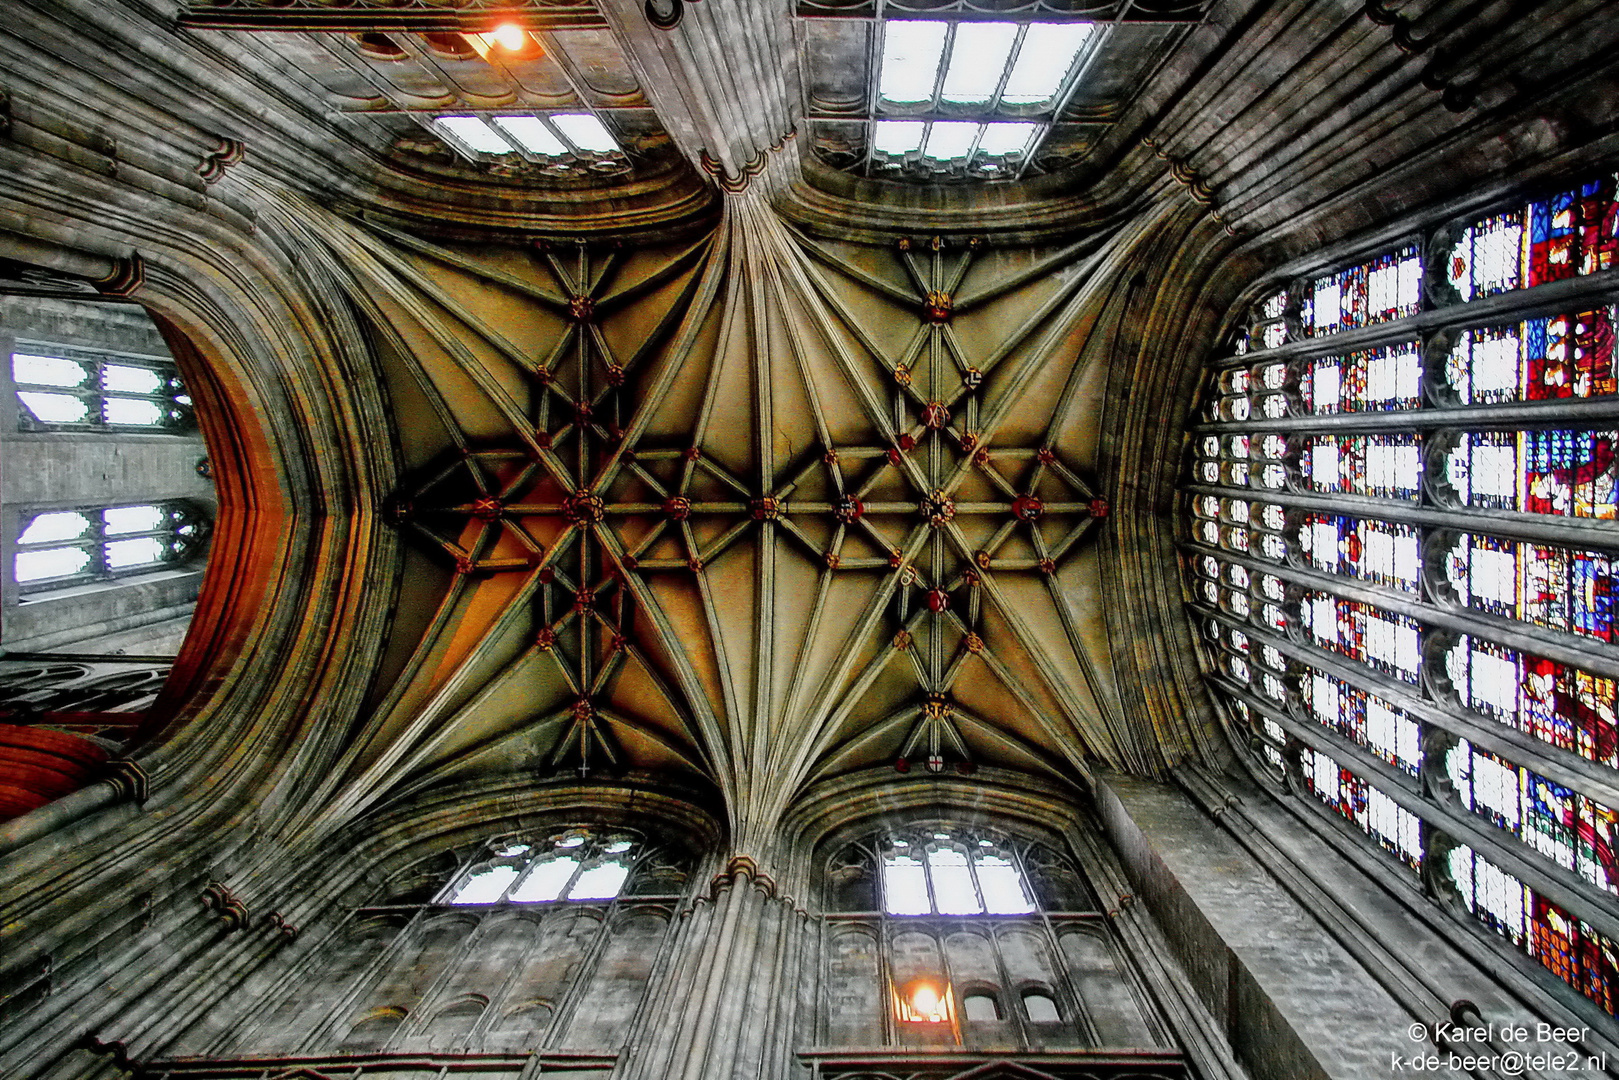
(756, 511)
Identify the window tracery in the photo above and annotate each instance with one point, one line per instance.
(1402, 605)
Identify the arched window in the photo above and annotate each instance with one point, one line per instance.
(57, 548)
(572, 865)
(68, 388)
(946, 934)
(1401, 563)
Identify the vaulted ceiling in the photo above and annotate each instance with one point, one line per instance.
(756, 509)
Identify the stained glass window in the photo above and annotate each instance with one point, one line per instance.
(1376, 491)
(1383, 640)
(1558, 704)
(1366, 718)
(1563, 235)
(1387, 553)
(1395, 828)
(1388, 287)
(1572, 830)
(1540, 359)
(1384, 378)
(1554, 587)
(1389, 466)
(1567, 946)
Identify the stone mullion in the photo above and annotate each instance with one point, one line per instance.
(1524, 637)
(1564, 887)
(585, 972)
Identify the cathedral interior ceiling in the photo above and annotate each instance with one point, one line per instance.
(753, 511)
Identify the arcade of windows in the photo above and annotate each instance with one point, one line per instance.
(1402, 555)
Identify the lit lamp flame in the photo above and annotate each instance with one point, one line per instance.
(925, 1005)
(510, 36)
(507, 36)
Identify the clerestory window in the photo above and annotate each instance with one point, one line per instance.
(971, 100)
(559, 142)
(59, 548)
(1401, 560)
(572, 865)
(62, 388)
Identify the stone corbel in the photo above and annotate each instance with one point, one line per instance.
(278, 922)
(217, 897)
(1193, 181)
(216, 161)
(739, 183)
(127, 276)
(128, 780)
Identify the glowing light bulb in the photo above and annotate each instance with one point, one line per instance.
(510, 37)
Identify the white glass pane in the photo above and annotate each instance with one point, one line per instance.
(953, 890)
(951, 139)
(547, 880)
(585, 131)
(123, 410)
(980, 1007)
(128, 519)
(48, 370)
(54, 408)
(61, 525)
(53, 562)
(474, 133)
(1041, 1009)
(1049, 51)
(532, 133)
(1006, 138)
(121, 553)
(905, 888)
(617, 846)
(977, 60)
(911, 54)
(898, 136)
(1003, 886)
(130, 380)
(600, 882)
(485, 886)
